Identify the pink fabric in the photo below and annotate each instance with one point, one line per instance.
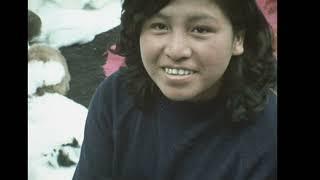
(113, 63)
(269, 9)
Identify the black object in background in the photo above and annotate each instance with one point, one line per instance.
(85, 65)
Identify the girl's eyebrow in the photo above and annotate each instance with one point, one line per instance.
(190, 17)
(201, 17)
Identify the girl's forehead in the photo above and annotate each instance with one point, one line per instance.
(195, 9)
(191, 2)
(191, 5)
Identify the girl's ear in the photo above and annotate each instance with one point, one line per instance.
(238, 40)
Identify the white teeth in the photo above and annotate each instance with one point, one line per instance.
(174, 71)
(180, 72)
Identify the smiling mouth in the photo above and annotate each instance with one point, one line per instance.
(178, 71)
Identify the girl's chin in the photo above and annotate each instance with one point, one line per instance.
(179, 96)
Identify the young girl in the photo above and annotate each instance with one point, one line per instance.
(194, 101)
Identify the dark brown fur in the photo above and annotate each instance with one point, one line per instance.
(34, 25)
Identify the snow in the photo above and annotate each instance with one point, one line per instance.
(67, 26)
(54, 119)
(40, 74)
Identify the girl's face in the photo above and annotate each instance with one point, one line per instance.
(186, 47)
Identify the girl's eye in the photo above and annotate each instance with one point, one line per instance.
(159, 26)
(201, 30)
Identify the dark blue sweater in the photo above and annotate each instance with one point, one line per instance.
(173, 141)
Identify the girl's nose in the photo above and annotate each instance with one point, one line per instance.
(177, 47)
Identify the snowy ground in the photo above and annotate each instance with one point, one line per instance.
(68, 26)
(62, 117)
